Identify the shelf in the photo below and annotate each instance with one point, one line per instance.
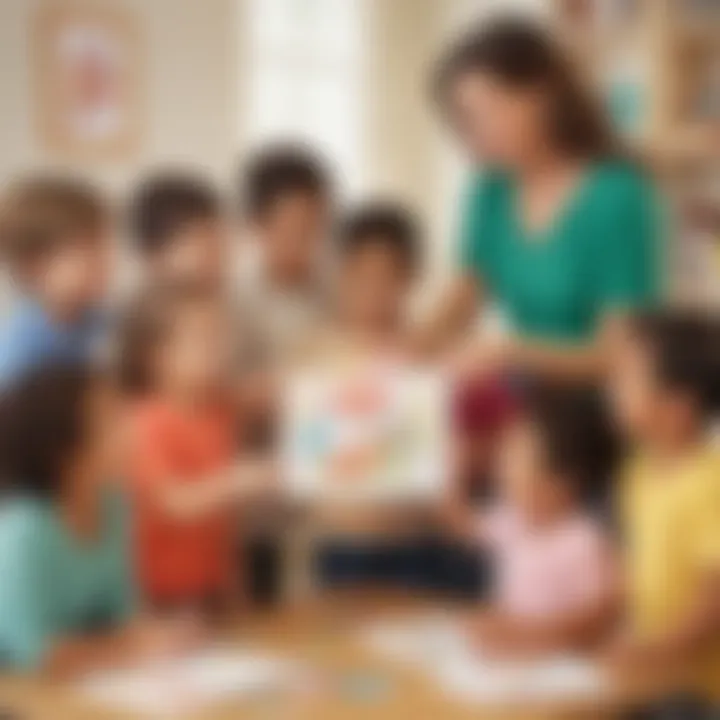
(687, 147)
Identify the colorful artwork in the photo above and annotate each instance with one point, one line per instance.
(377, 433)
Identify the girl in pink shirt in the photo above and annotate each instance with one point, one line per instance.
(555, 581)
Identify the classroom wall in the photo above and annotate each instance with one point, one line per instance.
(190, 75)
(194, 93)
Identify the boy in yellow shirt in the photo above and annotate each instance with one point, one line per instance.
(665, 389)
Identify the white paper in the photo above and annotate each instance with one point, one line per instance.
(437, 645)
(189, 684)
(420, 641)
(373, 433)
(486, 681)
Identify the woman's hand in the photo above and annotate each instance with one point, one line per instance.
(479, 358)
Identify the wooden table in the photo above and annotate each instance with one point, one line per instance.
(323, 636)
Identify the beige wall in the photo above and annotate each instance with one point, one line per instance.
(191, 75)
(195, 102)
(190, 92)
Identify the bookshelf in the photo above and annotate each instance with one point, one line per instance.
(658, 65)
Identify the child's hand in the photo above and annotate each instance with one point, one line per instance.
(478, 358)
(630, 654)
(256, 479)
(502, 635)
(496, 634)
(645, 664)
(159, 639)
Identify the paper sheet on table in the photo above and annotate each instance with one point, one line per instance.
(486, 681)
(436, 644)
(420, 640)
(187, 685)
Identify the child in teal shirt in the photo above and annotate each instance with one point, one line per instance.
(67, 596)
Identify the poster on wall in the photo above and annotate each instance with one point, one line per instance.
(372, 434)
(88, 63)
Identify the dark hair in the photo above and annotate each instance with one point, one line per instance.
(41, 213)
(521, 54)
(277, 171)
(147, 325)
(388, 224)
(166, 203)
(684, 346)
(42, 424)
(579, 439)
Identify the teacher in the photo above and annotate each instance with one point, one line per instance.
(559, 230)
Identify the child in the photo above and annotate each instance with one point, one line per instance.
(555, 585)
(54, 237)
(68, 603)
(179, 231)
(378, 257)
(666, 389)
(176, 363)
(286, 203)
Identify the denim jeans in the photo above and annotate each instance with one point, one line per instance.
(426, 564)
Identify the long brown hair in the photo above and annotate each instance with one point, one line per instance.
(523, 55)
(146, 326)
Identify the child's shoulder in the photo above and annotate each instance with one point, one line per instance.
(23, 323)
(25, 526)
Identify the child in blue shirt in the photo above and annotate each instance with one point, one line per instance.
(55, 240)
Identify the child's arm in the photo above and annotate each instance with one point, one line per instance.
(485, 526)
(70, 656)
(506, 634)
(700, 625)
(186, 502)
(701, 622)
(257, 395)
(460, 519)
(450, 318)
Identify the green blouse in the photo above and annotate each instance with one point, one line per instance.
(601, 253)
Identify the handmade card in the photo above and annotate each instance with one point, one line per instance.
(374, 433)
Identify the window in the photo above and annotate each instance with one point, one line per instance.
(303, 77)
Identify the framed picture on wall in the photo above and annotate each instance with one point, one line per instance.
(88, 61)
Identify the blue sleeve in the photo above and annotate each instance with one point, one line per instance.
(15, 351)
